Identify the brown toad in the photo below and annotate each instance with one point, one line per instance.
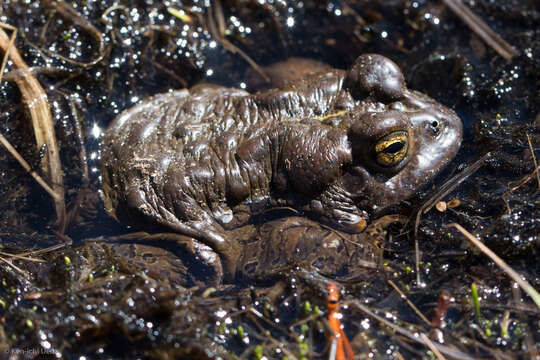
(340, 146)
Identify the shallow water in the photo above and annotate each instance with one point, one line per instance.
(147, 51)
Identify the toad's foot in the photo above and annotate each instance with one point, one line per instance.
(335, 207)
(295, 241)
(219, 241)
(205, 265)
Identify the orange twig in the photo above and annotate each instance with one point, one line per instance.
(340, 348)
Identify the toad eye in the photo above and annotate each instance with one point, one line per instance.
(391, 149)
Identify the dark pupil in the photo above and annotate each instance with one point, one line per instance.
(394, 148)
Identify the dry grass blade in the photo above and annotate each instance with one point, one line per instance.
(36, 100)
(500, 262)
(480, 28)
(21, 271)
(19, 257)
(10, 45)
(43, 251)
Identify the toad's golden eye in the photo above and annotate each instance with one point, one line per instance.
(391, 149)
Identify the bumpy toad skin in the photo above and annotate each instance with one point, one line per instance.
(340, 146)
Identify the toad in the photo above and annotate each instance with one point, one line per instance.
(338, 146)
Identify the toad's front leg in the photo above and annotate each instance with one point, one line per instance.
(314, 164)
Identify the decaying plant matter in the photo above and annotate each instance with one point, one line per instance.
(35, 98)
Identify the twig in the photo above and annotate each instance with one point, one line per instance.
(66, 239)
(500, 262)
(80, 140)
(534, 159)
(69, 13)
(432, 347)
(403, 296)
(529, 342)
(106, 13)
(46, 250)
(523, 181)
(15, 267)
(454, 353)
(167, 72)
(217, 31)
(445, 188)
(27, 167)
(19, 257)
(480, 28)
